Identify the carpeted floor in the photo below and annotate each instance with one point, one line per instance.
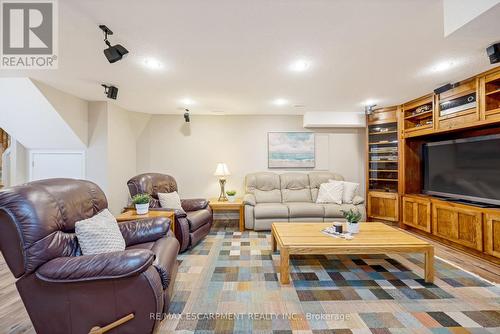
(228, 284)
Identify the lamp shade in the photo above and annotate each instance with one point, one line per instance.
(222, 170)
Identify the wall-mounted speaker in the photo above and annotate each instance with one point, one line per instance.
(493, 52)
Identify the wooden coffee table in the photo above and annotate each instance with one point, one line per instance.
(373, 238)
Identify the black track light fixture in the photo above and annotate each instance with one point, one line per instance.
(113, 53)
(110, 91)
(187, 118)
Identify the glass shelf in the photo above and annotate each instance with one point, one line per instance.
(383, 157)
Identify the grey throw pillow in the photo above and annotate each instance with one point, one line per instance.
(99, 234)
(170, 200)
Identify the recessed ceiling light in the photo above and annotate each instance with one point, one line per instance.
(443, 66)
(369, 102)
(299, 65)
(187, 102)
(152, 63)
(280, 102)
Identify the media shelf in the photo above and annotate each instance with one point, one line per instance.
(492, 96)
(383, 165)
(457, 106)
(383, 157)
(471, 108)
(418, 116)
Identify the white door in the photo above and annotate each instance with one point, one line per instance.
(56, 164)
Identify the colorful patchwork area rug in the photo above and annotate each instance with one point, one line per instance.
(229, 284)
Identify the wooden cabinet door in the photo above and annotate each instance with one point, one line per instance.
(383, 205)
(458, 224)
(417, 213)
(492, 234)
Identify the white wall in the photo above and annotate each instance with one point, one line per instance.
(111, 153)
(18, 164)
(190, 153)
(97, 150)
(27, 115)
(458, 13)
(72, 109)
(123, 129)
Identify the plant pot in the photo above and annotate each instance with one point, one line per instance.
(142, 209)
(231, 198)
(353, 228)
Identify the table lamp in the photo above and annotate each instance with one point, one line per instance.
(222, 171)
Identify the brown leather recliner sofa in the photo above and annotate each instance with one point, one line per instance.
(66, 292)
(192, 223)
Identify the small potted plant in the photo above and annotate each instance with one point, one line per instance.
(352, 217)
(231, 195)
(141, 202)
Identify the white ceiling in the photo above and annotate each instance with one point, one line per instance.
(233, 55)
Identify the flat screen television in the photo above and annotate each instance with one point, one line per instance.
(466, 169)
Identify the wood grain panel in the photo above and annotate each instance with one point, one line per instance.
(417, 213)
(423, 217)
(492, 234)
(458, 224)
(383, 115)
(383, 205)
(458, 120)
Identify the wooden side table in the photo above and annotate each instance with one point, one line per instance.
(237, 205)
(132, 215)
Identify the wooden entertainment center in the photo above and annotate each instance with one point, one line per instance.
(395, 137)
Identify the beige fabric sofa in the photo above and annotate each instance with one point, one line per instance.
(290, 197)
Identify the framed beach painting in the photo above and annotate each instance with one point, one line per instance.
(291, 149)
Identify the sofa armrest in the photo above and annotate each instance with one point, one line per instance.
(249, 199)
(144, 230)
(358, 200)
(194, 204)
(96, 267)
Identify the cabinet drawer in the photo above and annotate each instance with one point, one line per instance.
(460, 225)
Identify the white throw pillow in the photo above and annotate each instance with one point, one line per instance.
(170, 200)
(99, 234)
(350, 190)
(330, 192)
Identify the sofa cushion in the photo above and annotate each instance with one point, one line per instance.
(270, 210)
(170, 200)
(99, 234)
(331, 192)
(350, 190)
(198, 218)
(294, 181)
(270, 196)
(335, 210)
(317, 178)
(299, 195)
(305, 210)
(264, 181)
(295, 187)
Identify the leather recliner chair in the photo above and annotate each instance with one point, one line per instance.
(192, 223)
(66, 292)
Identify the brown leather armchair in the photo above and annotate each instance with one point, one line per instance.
(67, 292)
(192, 223)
